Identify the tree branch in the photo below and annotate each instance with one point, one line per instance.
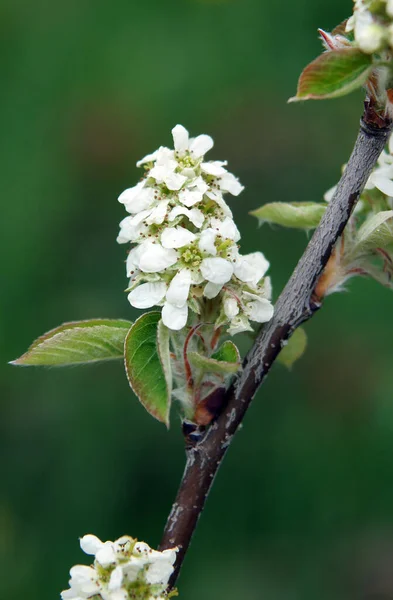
(296, 304)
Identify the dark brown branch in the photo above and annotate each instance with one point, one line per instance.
(295, 305)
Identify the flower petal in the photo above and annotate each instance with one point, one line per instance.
(176, 237)
(383, 184)
(81, 574)
(147, 295)
(179, 288)
(166, 157)
(229, 183)
(212, 290)
(194, 214)
(174, 317)
(90, 544)
(206, 241)
(239, 324)
(250, 268)
(158, 213)
(214, 167)
(231, 307)
(174, 181)
(154, 258)
(226, 228)
(137, 198)
(148, 158)
(190, 197)
(133, 259)
(159, 572)
(142, 549)
(180, 138)
(200, 145)
(260, 310)
(106, 555)
(116, 579)
(132, 227)
(216, 270)
(70, 595)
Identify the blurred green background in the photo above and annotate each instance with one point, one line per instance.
(303, 506)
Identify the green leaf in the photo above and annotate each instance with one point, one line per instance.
(298, 215)
(78, 342)
(227, 352)
(147, 364)
(164, 354)
(294, 349)
(376, 232)
(212, 365)
(333, 74)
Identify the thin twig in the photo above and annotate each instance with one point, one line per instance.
(296, 304)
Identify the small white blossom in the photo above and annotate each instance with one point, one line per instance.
(371, 27)
(216, 270)
(122, 570)
(186, 251)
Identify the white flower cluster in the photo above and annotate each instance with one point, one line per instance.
(123, 570)
(381, 177)
(372, 25)
(186, 240)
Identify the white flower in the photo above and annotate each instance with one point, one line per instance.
(207, 240)
(217, 270)
(214, 167)
(369, 35)
(186, 241)
(147, 295)
(250, 268)
(370, 32)
(164, 170)
(176, 237)
(212, 290)
(231, 307)
(239, 324)
(256, 308)
(90, 544)
(173, 317)
(175, 310)
(137, 198)
(123, 570)
(230, 183)
(194, 192)
(179, 288)
(154, 258)
(225, 228)
(196, 146)
(194, 214)
(382, 175)
(83, 583)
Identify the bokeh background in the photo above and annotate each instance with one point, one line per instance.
(303, 505)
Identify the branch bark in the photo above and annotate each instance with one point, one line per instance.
(296, 304)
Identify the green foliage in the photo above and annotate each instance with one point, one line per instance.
(294, 349)
(298, 215)
(334, 73)
(147, 364)
(78, 342)
(376, 232)
(227, 352)
(215, 365)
